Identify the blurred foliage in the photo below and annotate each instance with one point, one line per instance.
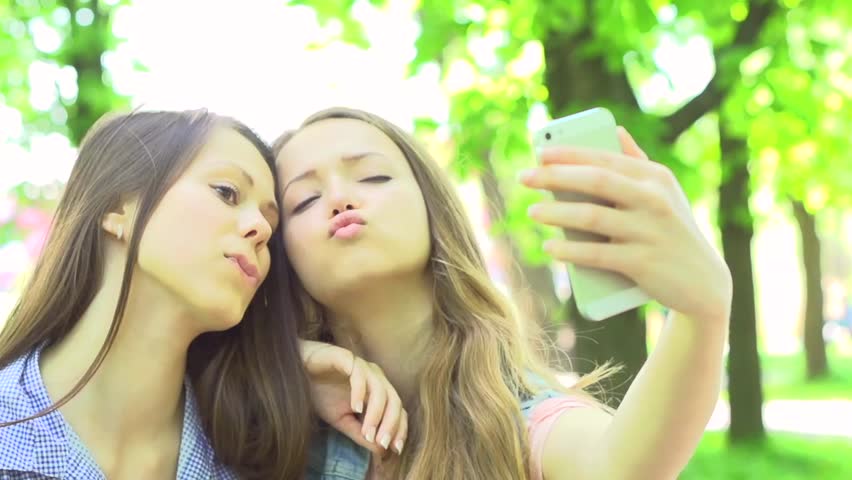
(54, 81)
(784, 84)
(57, 46)
(784, 457)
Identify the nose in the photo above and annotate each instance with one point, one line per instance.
(341, 198)
(341, 208)
(256, 228)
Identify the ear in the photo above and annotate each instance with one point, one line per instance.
(119, 221)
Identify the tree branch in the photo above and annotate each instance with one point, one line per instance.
(759, 12)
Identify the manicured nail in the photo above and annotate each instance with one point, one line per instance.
(358, 407)
(371, 434)
(527, 175)
(398, 445)
(532, 210)
(385, 441)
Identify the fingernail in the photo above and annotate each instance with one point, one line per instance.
(547, 245)
(532, 210)
(358, 407)
(385, 441)
(526, 175)
(398, 445)
(371, 434)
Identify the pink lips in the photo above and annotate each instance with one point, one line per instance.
(248, 270)
(346, 225)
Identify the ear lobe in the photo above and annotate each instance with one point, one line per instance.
(118, 221)
(113, 224)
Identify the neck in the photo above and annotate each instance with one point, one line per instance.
(137, 391)
(388, 323)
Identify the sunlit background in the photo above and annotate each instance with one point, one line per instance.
(270, 64)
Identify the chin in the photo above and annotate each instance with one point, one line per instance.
(344, 283)
(347, 277)
(222, 317)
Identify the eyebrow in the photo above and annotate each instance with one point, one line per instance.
(346, 159)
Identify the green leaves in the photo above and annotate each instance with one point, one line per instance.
(800, 137)
(57, 85)
(339, 14)
(784, 84)
(78, 33)
(440, 27)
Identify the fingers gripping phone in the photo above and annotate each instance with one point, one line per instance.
(599, 294)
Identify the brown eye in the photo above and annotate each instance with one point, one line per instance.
(227, 193)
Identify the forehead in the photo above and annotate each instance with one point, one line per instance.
(226, 147)
(331, 139)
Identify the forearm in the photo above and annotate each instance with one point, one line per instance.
(663, 415)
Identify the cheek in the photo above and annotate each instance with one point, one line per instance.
(424, 242)
(183, 225)
(300, 247)
(414, 217)
(264, 260)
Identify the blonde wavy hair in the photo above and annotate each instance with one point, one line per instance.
(483, 358)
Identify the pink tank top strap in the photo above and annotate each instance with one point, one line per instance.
(541, 421)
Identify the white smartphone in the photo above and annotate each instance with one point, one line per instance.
(599, 294)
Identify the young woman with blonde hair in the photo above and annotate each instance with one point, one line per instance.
(385, 263)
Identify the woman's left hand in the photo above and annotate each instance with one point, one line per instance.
(354, 397)
(654, 239)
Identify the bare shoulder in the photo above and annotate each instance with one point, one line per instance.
(570, 448)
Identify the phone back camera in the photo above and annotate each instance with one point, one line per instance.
(547, 136)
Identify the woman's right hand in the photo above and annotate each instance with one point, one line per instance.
(342, 385)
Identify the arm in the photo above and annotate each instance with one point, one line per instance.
(660, 422)
(657, 244)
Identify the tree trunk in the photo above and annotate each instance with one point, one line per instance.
(575, 81)
(532, 285)
(736, 226)
(817, 364)
(620, 339)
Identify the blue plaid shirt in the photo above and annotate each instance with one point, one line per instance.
(47, 447)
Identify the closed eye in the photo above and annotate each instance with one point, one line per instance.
(376, 179)
(304, 204)
(228, 193)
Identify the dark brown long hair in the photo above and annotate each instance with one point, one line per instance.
(249, 380)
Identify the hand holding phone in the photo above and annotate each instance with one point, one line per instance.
(599, 294)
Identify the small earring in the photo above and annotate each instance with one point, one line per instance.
(119, 232)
